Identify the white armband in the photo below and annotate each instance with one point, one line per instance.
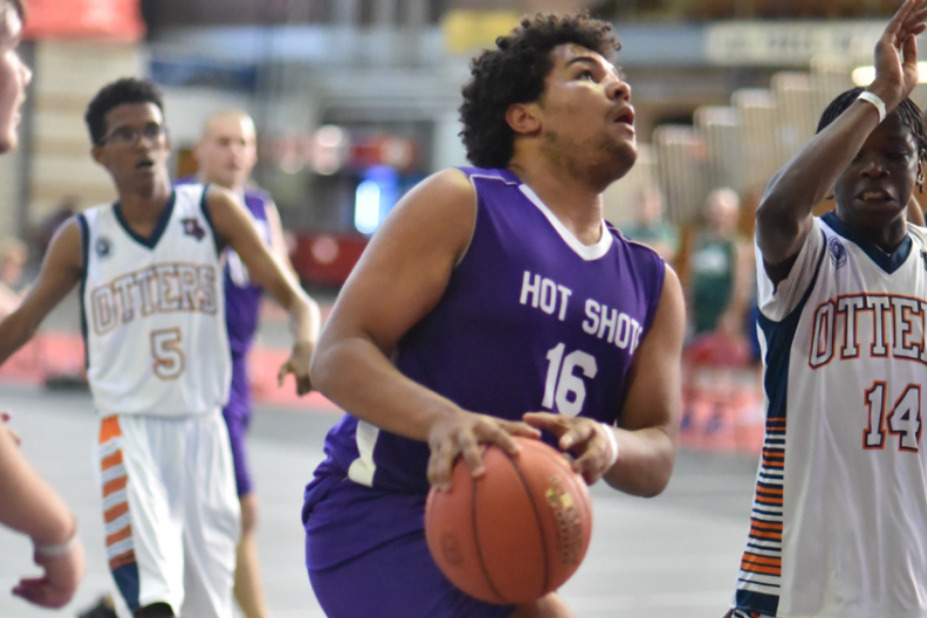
(613, 444)
(58, 549)
(871, 97)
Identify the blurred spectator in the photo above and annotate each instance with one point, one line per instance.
(720, 387)
(650, 228)
(720, 270)
(13, 255)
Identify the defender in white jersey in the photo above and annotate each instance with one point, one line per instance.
(839, 521)
(158, 358)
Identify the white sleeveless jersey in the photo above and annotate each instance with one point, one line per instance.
(839, 521)
(153, 311)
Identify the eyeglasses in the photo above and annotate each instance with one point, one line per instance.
(127, 136)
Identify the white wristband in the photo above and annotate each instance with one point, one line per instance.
(613, 443)
(56, 550)
(873, 98)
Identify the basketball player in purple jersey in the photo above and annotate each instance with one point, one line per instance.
(225, 154)
(495, 302)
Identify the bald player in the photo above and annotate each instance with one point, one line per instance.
(225, 154)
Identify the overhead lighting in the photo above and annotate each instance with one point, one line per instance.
(863, 76)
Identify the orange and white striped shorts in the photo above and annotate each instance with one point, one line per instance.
(170, 510)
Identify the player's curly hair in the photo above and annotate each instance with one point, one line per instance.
(514, 72)
(127, 90)
(910, 114)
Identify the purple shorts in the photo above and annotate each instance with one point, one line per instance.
(366, 556)
(237, 414)
(396, 579)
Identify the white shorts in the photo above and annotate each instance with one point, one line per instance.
(170, 511)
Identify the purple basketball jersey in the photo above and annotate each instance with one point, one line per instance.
(531, 320)
(242, 298)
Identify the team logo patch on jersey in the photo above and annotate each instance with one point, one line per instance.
(103, 247)
(192, 227)
(838, 253)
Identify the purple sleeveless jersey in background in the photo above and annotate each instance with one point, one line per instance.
(242, 312)
(242, 298)
(531, 321)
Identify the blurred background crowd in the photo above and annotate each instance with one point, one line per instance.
(356, 100)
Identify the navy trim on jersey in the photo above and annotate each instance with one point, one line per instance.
(152, 240)
(757, 601)
(208, 217)
(85, 253)
(779, 337)
(127, 580)
(887, 262)
(763, 554)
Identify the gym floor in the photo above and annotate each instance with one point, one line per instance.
(671, 556)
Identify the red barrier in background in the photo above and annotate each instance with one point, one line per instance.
(110, 19)
(326, 259)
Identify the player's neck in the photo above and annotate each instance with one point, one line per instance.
(145, 204)
(577, 205)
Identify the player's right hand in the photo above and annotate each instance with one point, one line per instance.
(460, 435)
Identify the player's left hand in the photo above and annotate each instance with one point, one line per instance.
(584, 438)
(896, 53)
(298, 365)
(63, 574)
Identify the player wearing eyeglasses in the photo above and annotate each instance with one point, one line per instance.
(158, 355)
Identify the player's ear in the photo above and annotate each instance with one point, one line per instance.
(96, 151)
(523, 118)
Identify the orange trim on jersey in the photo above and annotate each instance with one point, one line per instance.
(122, 559)
(115, 485)
(749, 564)
(121, 535)
(117, 511)
(772, 462)
(767, 560)
(109, 429)
(773, 500)
(111, 461)
(765, 530)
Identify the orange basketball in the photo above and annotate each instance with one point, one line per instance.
(514, 534)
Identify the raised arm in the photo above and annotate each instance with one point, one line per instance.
(234, 226)
(401, 276)
(59, 273)
(784, 215)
